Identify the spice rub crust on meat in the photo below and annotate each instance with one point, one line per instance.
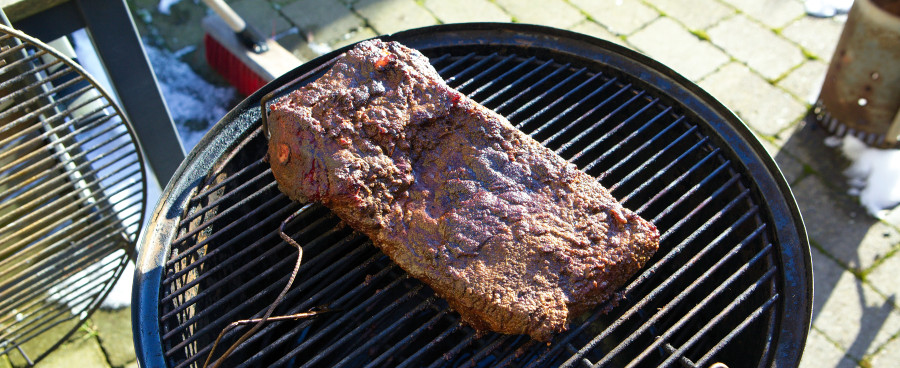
(516, 239)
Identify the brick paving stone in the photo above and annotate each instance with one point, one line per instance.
(761, 105)
(297, 45)
(46, 340)
(773, 13)
(355, 36)
(619, 16)
(893, 216)
(805, 82)
(761, 49)
(817, 35)
(884, 276)
(389, 16)
(821, 353)
(805, 141)
(326, 21)
(179, 29)
(590, 28)
(826, 274)
(262, 16)
(467, 11)
(79, 352)
(790, 168)
(668, 42)
(114, 333)
(698, 16)
(851, 313)
(889, 356)
(554, 13)
(841, 227)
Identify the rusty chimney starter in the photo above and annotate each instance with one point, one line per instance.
(861, 93)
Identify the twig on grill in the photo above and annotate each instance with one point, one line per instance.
(268, 315)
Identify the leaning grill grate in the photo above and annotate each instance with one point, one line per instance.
(710, 289)
(71, 196)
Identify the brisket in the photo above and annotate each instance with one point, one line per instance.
(516, 239)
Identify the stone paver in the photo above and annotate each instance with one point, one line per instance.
(889, 356)
(821, 353)
(263, 16)
(884, 276)
(805, 141)
(841, 227)
(179, 29)
(591, 28)
(760, 48)
(467, 11)
(389, 16)
(893, 217)
(42, 342)
(805, 82)
(761, 105)
(554, 13)
(619, 16)
(773, 13)
(114, 331)
(700, 15)
(853, 315)
(668, 42)
(790, 167)
(78, 352)
(817, 35)
(325, 21)
(355, 36)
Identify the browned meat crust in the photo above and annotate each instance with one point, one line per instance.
(516, 239)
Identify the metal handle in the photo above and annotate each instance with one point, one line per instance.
(247, 35)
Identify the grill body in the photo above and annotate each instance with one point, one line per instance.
(731, 281)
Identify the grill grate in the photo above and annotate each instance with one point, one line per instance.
(71, 196)
(730, 283)
(228, 263)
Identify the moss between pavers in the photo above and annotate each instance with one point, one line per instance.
(114, 332)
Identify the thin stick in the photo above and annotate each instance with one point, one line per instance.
(260, 321)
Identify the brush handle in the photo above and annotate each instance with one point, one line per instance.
(249, 37)
(232, 19)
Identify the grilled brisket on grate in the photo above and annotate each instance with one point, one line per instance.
(516, 239)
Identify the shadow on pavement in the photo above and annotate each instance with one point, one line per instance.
(837, 226)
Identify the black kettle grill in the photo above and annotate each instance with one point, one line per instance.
(731, 283)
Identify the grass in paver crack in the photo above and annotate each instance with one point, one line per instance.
(702, 35)
(865, 363)
(88, 329)
(808, 54)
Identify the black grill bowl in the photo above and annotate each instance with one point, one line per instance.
(731, 283)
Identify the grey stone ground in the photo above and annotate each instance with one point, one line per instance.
(763, 59)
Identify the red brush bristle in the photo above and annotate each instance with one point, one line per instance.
(231, 68)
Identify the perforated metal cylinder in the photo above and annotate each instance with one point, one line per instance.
(861, 93)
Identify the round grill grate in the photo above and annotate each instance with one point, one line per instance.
(72, 194)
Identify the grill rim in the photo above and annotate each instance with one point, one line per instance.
(793, 251)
